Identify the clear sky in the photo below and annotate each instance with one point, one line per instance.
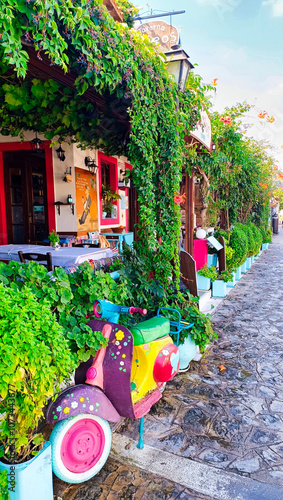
(240, 42)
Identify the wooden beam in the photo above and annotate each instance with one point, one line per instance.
(43, 70)
(114, 10)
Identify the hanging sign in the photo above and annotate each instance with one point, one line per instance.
(202, 132)
(160, 32)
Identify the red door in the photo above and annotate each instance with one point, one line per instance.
(25, 196)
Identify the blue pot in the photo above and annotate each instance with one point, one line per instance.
(238, 274)
(187, 352)
(31, 480)
(248, 262)
(212, 260)
(230, 284)
(243, 268)
(219, 288)
(252, 259)
(264, 246)
(203, 283)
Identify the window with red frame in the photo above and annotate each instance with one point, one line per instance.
(109, 178)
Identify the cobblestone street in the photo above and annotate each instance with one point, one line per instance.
(230, 420)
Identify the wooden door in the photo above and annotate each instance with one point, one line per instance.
(26, 198)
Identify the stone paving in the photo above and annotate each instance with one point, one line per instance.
(230, 419)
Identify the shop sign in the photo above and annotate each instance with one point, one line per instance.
(203, 130)
(160, 32)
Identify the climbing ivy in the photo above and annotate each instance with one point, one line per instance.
(80, 36)
(239, 171)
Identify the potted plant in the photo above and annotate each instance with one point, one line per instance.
(35, 359)
(54, 238)
(109, 196)
(211, 257)
(219, 283)
(266, 238)
(198, 336)
(257, 239)
(204, 276)
(239, 243)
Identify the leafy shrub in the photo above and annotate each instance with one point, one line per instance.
(202, 332)
(4, 493)
(35, 359)
(70, 297)
(266, 235)
(239, 244)
(208, 272)
(250, 237)
(225, 276)
(257, 238)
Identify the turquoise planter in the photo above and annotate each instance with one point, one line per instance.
(264, 246)
(252, 259)
(248, 263)
(212, 260)
(238, 274)
(187, 352)
(243, 268)
(219, 288)
(31, 480)
(230, 284)
(203, 283)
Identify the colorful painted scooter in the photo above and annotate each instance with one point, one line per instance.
(124, 379)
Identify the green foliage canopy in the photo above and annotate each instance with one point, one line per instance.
(80, 36)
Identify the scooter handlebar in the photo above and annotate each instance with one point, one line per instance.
(133, 310)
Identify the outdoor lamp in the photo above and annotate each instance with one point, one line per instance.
(178, 65)
(36, 144)
(60, 153)
(91, 165)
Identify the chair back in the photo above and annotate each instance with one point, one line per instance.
(188, 272)
(44, 259)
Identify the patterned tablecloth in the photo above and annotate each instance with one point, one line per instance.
(63, 257)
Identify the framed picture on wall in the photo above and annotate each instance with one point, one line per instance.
(86, 200)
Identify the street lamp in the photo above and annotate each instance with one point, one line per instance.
(60, 153)
(179, 66)
(36, 144)
(91, 165)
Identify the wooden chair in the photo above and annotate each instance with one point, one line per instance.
(188, 272)
(46, 259)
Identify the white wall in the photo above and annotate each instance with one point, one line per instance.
(74, 158)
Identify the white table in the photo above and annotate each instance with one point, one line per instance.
(63, 257)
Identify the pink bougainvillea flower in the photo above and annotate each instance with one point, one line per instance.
(227, 120)
(180, 198)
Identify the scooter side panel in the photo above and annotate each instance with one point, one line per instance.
(117, 367)
(81, 399)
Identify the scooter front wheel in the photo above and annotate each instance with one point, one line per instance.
(80, 447)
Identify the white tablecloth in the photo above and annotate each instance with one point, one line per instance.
(63, 257)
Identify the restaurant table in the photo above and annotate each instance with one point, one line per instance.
(128, 238)
(63, 257)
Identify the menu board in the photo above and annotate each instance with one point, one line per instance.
(86, 201)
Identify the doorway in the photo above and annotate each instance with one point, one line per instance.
(25, 196)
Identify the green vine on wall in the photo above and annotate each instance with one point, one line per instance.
(81, 36)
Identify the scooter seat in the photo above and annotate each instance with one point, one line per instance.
(151, 329)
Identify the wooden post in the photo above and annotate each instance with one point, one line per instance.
(190, 202)
(222, 255)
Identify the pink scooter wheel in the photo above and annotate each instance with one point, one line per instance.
(82, 445)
